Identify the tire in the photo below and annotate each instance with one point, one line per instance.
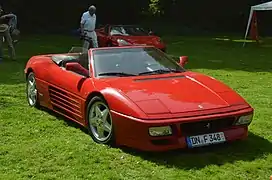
(31, 91)
(100, 128)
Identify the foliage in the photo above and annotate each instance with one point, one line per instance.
(154, 7)
(63, 16)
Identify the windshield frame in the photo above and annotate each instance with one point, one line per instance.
(94, 68)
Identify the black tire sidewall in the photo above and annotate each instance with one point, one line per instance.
(111, 139)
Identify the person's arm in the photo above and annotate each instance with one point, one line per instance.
(82, 22)
(95, 22)
(8, 16)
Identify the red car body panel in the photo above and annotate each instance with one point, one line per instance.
(105, 39)
(134, 133)
(137, 103)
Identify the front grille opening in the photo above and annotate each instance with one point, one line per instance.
(161, 142)
(206, 126)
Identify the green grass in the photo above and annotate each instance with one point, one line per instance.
(37, 145)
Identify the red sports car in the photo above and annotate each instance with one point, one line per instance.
(138, 97)
(127, 35)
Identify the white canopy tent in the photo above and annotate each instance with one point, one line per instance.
(260, 7)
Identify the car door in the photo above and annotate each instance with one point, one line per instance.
(66, 92)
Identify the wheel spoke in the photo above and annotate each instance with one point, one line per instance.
(107, 127)
(31, 83)
(33, 92)
(93, 122)
(98, 112)
(100, 132)
(105, 114)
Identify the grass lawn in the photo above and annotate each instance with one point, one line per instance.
(36, 144)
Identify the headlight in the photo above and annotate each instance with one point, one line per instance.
(160, 131)
(122, 42)
(244, 119)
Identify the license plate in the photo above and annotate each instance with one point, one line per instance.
(205, 139)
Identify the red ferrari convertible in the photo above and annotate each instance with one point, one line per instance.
(138, 97)
(127, 35)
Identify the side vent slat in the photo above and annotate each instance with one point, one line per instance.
(65, 103)
(63, 110)
(66, 106)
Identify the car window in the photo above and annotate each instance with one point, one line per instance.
(132, 60)
(128, 31)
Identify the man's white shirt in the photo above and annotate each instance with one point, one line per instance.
(88, 21)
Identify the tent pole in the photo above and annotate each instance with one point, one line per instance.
(248, 25)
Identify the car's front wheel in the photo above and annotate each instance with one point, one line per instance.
(100, 122)
(31, 91)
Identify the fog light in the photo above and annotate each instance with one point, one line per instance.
(244, 119)
(160, 131)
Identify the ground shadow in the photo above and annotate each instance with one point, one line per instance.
(253, 148)
(248, 150)
(64, 119)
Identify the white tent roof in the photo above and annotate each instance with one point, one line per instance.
(260, 7)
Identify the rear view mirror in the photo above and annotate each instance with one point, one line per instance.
(183, 60)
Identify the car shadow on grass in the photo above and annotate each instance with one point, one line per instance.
(255, 147)
(67, 121)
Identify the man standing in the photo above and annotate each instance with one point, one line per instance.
(87, 28)
(5, 33)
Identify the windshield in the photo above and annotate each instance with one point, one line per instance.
(133, 61)
(128, 31)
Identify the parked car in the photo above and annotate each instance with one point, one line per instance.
(128, 35)
(137, 96)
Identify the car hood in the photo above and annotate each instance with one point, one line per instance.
(176, 94)
(140, 40)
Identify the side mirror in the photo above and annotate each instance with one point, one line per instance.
(77, 68)
(183, 60)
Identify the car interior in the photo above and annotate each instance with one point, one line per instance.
(76, 63)
(119, 62)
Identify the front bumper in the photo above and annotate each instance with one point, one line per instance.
(133, 132)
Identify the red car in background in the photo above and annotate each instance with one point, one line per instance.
(127, 35)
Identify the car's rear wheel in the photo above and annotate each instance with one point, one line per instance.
(100, 122)
(31, 91)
